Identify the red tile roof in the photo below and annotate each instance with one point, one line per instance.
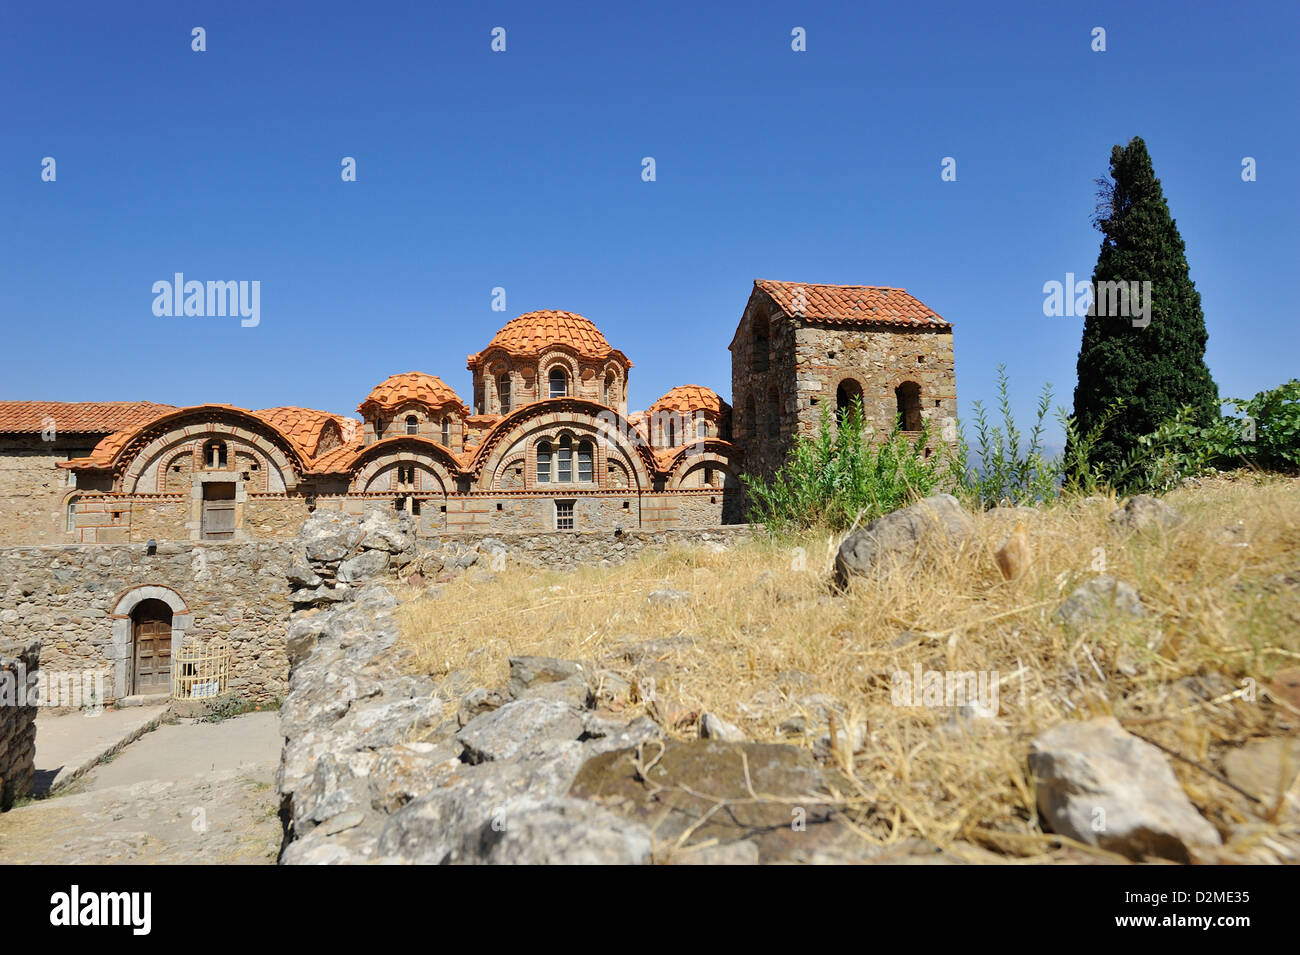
(77, 417)
(392, 393)
(688, 398)
(531, 334)
(303, 426)
(851, 304)
(337, 460)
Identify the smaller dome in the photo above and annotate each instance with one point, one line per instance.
(413, 386)
(691, 398)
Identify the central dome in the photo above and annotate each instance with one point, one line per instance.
(534, 332)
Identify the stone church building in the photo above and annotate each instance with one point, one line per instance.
(546, 442)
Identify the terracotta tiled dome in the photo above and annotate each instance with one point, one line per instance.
(532, 333)
(392, 393)
(688, 398)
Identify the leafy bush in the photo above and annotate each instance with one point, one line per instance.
(1266, 436)
(839, 477)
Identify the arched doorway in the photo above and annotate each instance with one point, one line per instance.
(151, 647)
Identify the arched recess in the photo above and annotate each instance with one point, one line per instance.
(121, 646)
(848, 392)
(429, 456)
(761, 343)
(613, 437)
(908, 398)
(141, 453)
(715, 455)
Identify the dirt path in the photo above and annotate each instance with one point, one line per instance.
(185, 793)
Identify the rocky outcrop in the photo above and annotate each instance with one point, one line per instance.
(383, 765)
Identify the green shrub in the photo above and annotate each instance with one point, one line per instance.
(1266, 436)
(839, 477)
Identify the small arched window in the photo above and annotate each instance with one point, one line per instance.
(214, 455)
(446, 432)
(701, 427)
(611, 397)
(773, 414)
(847, 396)
(503, 392)
(908, 395)
(759, 360)
(559, 383)
(72, 514)
(412, 424)
(751, 418)
(564, 461)
(544, 463)
(672, 432)
(585, 456)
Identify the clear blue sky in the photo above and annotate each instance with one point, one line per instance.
(523, 170)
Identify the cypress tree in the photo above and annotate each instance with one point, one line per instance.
(1154, 369)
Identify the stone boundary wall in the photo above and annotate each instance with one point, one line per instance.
(18, 665)
(554, 549)
(77, 600)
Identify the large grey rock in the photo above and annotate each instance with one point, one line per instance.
(531, 676)
(436, 827)
(300, 576)
(895, 538)
(1104, 787)
(556, 832)
(365, 566)
(1098, 600)
(517, 726)
(387, 531)
(1144, 511)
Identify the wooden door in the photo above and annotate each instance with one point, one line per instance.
(218, 511)
(152, 645)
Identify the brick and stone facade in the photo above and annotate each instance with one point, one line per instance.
(546, 445)
(803, 349)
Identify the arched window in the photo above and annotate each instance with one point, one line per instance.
(611, 398)
(585, 456)
(544, 463)
(564, 461)
(672, 432)
(909, 405)
(847, 394)
(72, 514)
(751, 418)
(214, 455)
(446, 432)
(412, 424)
(503, 392)
(773, 414)
(758, 362)
(701, 427)
(559, 383)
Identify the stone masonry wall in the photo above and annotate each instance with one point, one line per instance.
(77, 600)
(879, 361)
(18, 671)
(32, 489)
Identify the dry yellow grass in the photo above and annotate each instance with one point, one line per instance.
(1222, 590)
